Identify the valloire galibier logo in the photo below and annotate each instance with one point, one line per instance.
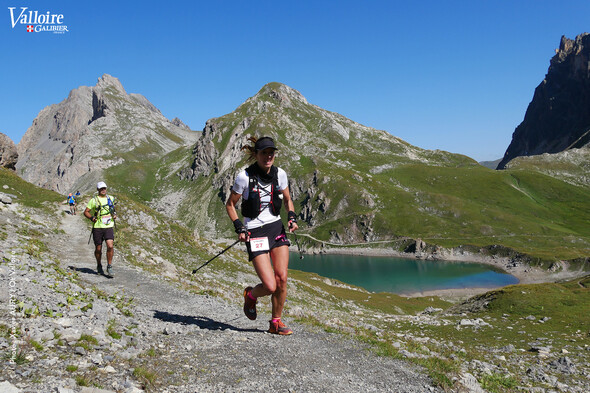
(37, 22)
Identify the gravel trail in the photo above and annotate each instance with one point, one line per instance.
(185, 342)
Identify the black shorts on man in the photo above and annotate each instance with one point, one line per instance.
(101, 234)
(274, 232)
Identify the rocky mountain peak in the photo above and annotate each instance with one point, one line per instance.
(314, 143)
(107, 81)
(279, 94)
(91, 130)
(179, 123)
(558, 117)
(568, 47)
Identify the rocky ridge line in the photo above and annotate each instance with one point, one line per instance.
(69, 143)
(558, 117)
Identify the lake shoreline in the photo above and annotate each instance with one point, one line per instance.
(524, 273)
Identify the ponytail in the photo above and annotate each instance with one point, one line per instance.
(250, 150)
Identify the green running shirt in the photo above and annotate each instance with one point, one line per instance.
(104, 218)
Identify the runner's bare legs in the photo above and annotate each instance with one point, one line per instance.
(273, 277)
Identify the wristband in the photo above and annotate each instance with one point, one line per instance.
(240, 228)
(292, 217)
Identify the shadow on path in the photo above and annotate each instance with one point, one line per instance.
(85, 270)
(201, 322)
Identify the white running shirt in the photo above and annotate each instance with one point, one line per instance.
(265, 216)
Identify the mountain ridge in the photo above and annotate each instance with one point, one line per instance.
(311, 141)
(94, 128)
(350, 183)
(353, 184)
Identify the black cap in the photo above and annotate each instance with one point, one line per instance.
(264, 143)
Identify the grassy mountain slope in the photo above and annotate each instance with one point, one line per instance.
(572, 166)
(353, 184)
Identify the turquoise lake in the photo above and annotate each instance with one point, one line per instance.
(400, 275)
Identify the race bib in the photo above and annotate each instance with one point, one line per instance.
(106, 220)
(259, 244)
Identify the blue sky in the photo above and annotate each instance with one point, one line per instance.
(450, 75)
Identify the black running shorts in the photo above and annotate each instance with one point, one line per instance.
(100, 234)
(265, 238)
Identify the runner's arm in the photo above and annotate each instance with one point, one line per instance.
(290, 208)
(230, 207)
(88, 214)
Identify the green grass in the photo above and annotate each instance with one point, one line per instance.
(532, 214)
(440, 370)
(151, 352)
(26, 193)
(573, 169)
(38, 347)
(111, 331)
(495, 383)
(20, 357)
(87, 342)
(146, 376)
(81, 381)
(35, 248)
(565, 303)
(89, 339)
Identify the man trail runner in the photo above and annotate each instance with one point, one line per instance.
(72, 203)
(101, 211)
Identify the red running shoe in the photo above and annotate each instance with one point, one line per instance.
(249, 304)
(279, 327)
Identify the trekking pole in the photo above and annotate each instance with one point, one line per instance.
(91, 228)
(224, 250)
(92, 225)
(112, 210)
(298, 248)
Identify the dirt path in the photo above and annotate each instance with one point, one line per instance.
(205, 344)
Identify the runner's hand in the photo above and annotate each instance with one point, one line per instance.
(293, 226)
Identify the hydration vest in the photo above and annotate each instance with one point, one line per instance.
(252, 206)
(110, 205)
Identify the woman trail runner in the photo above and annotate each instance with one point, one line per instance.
(264, 188)
(101, 211)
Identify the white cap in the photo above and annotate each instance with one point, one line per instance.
(100, 185)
